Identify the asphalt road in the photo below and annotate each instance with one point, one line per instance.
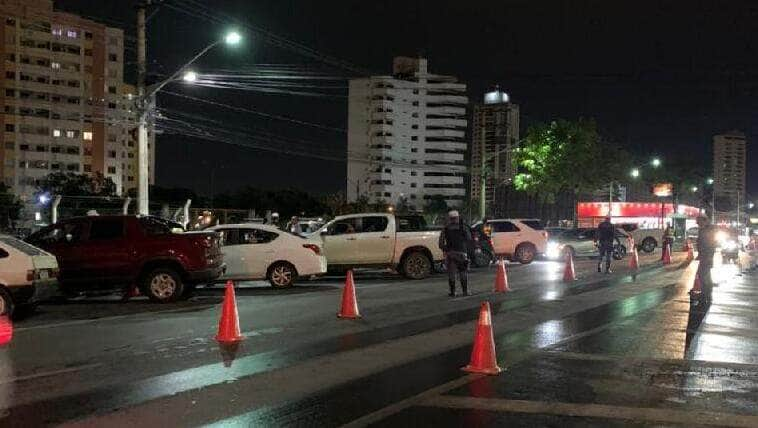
(605, 350)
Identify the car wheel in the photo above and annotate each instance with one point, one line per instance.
(525, 253)
(482, 258)
(281, 275)
(417, 265)
(163, 285)
(648, 245)
(7, 306)
(619, 252)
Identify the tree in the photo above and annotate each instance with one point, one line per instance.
(10, 207)
(436, 207)
(565, 156)
(71, 184)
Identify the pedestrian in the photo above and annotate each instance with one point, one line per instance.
(294, 225)
(706, 248)
(668, 236)
(606, 236)
(454, 242)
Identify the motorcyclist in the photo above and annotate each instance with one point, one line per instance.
(606, 236)
(454, 241)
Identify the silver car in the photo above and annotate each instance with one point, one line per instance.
(581, 242)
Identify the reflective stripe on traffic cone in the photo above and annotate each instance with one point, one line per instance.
(501, 278)
(229, 324)
(483, 359)
(569, 274)
(349, 303)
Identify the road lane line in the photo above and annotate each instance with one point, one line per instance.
(646, 414)
(50, 373)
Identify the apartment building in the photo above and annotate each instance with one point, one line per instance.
(494, 135)
(406, 136)
(729, 165)
(66, 107)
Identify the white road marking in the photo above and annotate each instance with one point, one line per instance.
(50, 373)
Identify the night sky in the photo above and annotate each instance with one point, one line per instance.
(660, 77)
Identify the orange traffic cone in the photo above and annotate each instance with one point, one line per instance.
(666, 256)
(569, 274)
(501, 278)
(349, 303)
(634, 260)
(229, 324)
(483, 359)
(690, 253)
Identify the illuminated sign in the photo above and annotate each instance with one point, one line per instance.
(633, 209)
(663, 189)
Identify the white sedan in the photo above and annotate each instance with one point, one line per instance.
(27, 274)
(255, 251)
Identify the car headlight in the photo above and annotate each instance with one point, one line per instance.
(553, 250)
(721, 237)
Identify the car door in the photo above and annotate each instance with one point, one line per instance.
(106, 256)
(63, 241)
(585, 239)
(339, 238)
(258, 249)
(374, 243)
(233, 252)
(505, 236)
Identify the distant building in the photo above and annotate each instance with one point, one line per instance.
(729, 165)
(406, 136)
(66, 107)
(494, 135)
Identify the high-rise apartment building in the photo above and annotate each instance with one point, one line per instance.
(729, 165)
(494, 135)
(66, 107)
(406, 136)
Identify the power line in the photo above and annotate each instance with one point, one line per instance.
(246, 110)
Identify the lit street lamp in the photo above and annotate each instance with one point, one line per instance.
(709, 181)
(694, 189)
(635, 173)
(146, 103)
(656, 162)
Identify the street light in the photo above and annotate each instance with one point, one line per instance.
(694, 189)
(750, 206)
(709, 181)
(189, 77)
(635, 173)
(146, 103)
(232, 38)
(656, 162)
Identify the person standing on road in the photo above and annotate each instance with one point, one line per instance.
(606, 235)
(294, 225)
(706, 248)
(454, 242)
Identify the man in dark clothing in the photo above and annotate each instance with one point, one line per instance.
(606, 234)
(706, 248)
(454, 242)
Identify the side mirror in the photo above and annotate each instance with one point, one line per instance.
(69, 237)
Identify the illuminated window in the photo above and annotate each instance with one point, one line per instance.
(56, 132)
(87, 135)
(70, 134)
(71, 33)
(57, 32)
(55, 65)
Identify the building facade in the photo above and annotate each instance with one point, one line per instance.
(494, 135)
(66, 107)
(729, 151)
(407, 136)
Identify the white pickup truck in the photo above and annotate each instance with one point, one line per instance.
(646, 239)
(402, 243)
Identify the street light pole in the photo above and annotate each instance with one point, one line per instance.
(142, 108)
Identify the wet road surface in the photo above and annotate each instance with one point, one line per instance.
(609, 339)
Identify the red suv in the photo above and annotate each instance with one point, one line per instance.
(100, 254)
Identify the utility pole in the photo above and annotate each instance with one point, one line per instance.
(143, 108)
(738, 208)
(483, 173)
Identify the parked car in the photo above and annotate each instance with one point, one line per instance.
(101, 254)
(583, 242)
(729, 243)
(27, 275)
(521, 240)
(646, 240)
(257, 251)
(403, 243)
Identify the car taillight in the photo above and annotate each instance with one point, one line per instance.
(30, 275)
(315, 248)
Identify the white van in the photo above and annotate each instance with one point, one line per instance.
(27, 275)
